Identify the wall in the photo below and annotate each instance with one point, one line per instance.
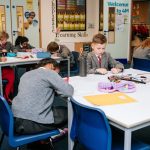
(141, 14)
(46, 25)
(118, 50)
(121, 46)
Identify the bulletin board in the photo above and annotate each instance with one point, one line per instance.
(71, 15)
(101, 15)
(2, 18)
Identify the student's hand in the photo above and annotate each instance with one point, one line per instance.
(4, 51)
(101, 71)
(66, 79)
(3, 59)
(115, 70)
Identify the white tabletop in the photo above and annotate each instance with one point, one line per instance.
(16, 60)
(127, 115)
(12, 60)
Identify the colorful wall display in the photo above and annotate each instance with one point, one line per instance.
(20, 20)
(30, 19)
(71, 15)
(2, 18)
(101, 17)
(29, 4)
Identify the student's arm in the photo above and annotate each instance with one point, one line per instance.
(115, 64)
(65, 52)
(9, 47)
(30, 46)
(59, 85)
(90, 68)
(148, 54)
(18, 49)
(12, 48)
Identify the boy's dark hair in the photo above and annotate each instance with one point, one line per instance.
(52, 47)
(99, 39)
(46, 61)
(21, 40)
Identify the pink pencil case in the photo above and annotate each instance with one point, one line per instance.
(124, 86)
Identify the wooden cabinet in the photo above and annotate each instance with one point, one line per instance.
(86, 46)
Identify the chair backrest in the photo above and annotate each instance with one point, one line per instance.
(141, 64)
(122, 60)
(90, 127)
(75, 67)
(6, 118)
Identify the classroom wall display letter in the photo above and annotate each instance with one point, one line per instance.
(71, 15)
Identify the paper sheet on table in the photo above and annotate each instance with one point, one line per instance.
(109, 99)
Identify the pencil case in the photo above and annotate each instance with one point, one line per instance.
(43, 55)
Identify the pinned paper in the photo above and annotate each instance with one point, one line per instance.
(29, 4)
(109, 99)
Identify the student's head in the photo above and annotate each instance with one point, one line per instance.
(22, 41)
(49, 63)
(98, 44)
(3, 37)
(53, 47)
(145, 43)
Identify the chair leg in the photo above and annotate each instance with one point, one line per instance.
(75, 144)
(18, 148)
(2, 139)
(51, 144)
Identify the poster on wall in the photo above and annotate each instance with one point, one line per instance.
(101, 13)
(71, 15)
(29, 4)
(120, 23)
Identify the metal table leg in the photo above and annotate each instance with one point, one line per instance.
(68, 66)
(70, 117)
(127, 139)
(1, 84)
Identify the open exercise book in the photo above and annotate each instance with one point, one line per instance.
(109, 99)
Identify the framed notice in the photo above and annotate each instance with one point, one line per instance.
(71, 15)
(101, 15)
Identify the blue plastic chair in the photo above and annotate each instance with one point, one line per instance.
(91, 129)
(141, 64)
(7, 126)
(4, 82)
(74, 70)
(122, 60)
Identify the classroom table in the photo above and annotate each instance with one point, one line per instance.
(13, 61)
(128, 117)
